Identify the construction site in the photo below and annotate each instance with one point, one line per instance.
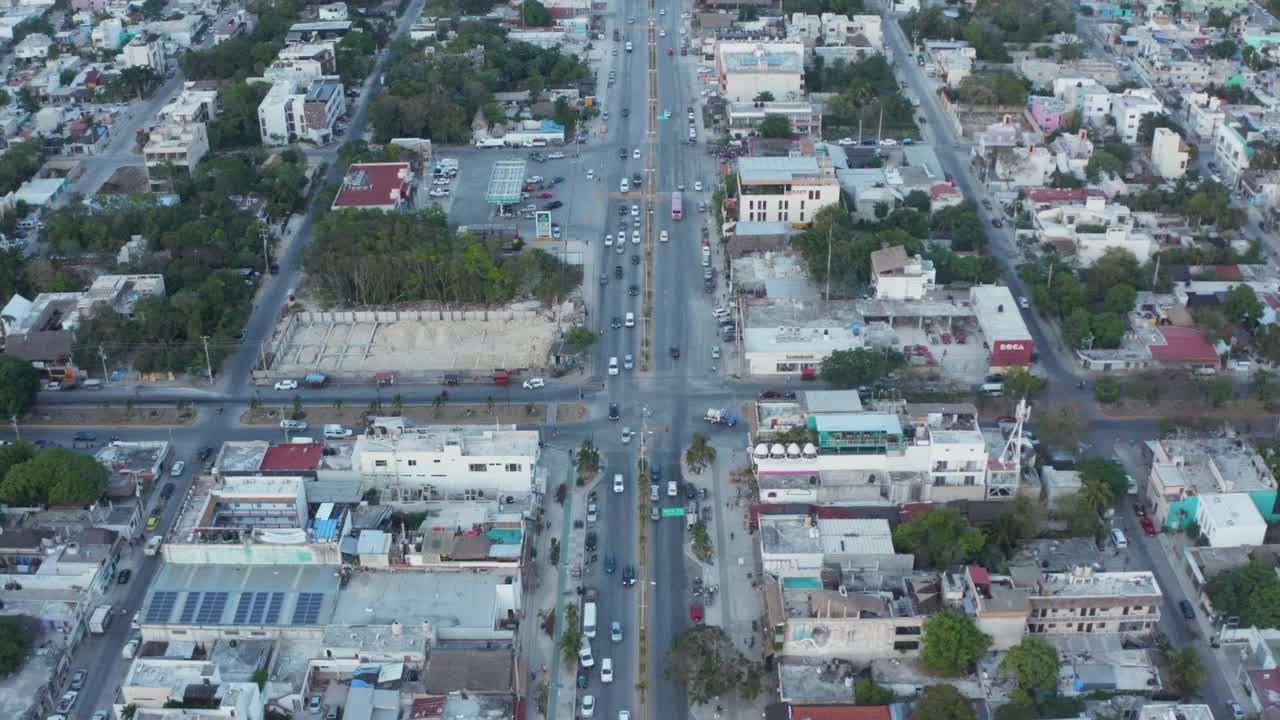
(414, 344)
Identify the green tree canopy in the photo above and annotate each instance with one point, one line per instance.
(1250, 592)
(1187, 672)
(17, 636)
(1243, 306)
(706, 663)
(851, 368)
(1120, 298)
(19, 383)
(1107, 472)
(869, 692)
(942, 702)
(54, 477)
(776, 126)
(1033, 663)
(15, 453)
(939, 538)
(952, 643)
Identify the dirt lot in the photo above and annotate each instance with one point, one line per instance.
(570, 413)
(106, 416)
(451, 414)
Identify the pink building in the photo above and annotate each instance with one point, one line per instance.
(1047, 112)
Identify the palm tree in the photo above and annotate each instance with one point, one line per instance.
(397, 404)
(5, 321)
(337, 404)
(437, 403)
(700, 451)
(490, 403)
(1097, 495)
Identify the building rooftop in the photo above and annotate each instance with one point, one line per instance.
(464, 440)
(775, 170)
(457, 670)
(831, 401)
(273, 505)
(241, 456)
(1086, 583)
(171, 675)
(452, 602)
(999, 312)
(1228, 509)
(762, 59)
(292, 457)
(1211, 465)
(374, 185)
(262, 595)
(1175, 712)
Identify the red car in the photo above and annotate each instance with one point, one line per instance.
(1148, 526)
(670, 52)
(545, 196)
(695, 612)
(997, 223)
(946, 338)
(770, 394)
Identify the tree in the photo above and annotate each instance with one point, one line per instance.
(706, 663)
(939, 538)
(1019, 522)
(1033, 663)
(1107, 390)
(1106, 472)
(1120, 298)
(54, 477)
(1081, 517)
(15, 453)
(869, 692)
(776, 126)
(1020, 383)
(1062, 425)
(917, 200)
(952, 643)
(1224, 49)
(763, 96)
(942, 702)
(588, 459)
(17, 636)
(1103, 163)
(580, 337)
(1243, 306)
(1186, 670)
(1248, 592)
(570, 635)
(851, 368)
(19, 383)
(700, 451)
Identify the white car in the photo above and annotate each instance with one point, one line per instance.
(888, 142)
(662, 11)
(589, 705)
(626, 714)
(635, 237)
(693, 134)
(608, 240)
(627, 362)
(177, 468)
(606, 671)
(663, 237)
(556, 156)
(846, 141)
(682, 31)
(613, 365)
(635, 210)
(697, 186)
(626, 436)
(635, 154)
(617, 480)
(439, 193)
(615, 631)
(534, 384)
(662, 33)
(286, 384)
(294, 425)
(673, 489)
(1024, 303)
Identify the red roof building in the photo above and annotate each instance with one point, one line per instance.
(376, 186)
(840, 712)
(292, 459)
(1183, 346)
(1059, 196)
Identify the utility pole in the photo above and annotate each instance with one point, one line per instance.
(827, 293)
(207, 362)
(880, 127)
(1049, 285)
(1155, 275)
(264, 231)
(103, 354)
(14, 419)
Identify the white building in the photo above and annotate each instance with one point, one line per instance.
(785, 189)
(473, 461)
(1071, 154)
(143, 52)
(1203, 113)
(1169, 154)
(106, 34)
(332, 11)
(1027, 167)
(191, 106)
(1128, 109)
(33, 47)
(294, 111)
(837, 30)
(1230, 520)
(1231, 149)
(745, 117)
(896, 276)
(1089, 230)
(747, 69)
(174, 147)
(796, 351)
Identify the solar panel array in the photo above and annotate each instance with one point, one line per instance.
(211, 608)
(189, 607)
(161, 607)
(274, 607)
(307, 611)
(258, 608)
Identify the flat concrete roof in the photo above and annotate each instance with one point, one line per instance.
(1105, 584)
(446, 600)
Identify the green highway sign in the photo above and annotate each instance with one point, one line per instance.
(673, 512)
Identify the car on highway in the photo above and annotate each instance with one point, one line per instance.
(606, 670)
(697, 186)
(438, 193)
(84, 437)
(553, 205)
(167, 491)
(628, 363)
(635, 210)
(293, 425)
(695, 612)
(673, 488)
(176, 469)
(100, 715)
(1023, 302)
(613, 409)
(1148, 526)
(615, 631)
(622, 153)
(153, 522)
(616, 322)
(1188, 611)
(1237, 712)
(635, 153)
(78, 677)
(593, 513)
(996, 222)
(556, 156)
(618, 485)
(663, 236)
(633, 290)
(629, 575)
(610, 563)
(674, 352)
(591, 540)
(613, 368)
(123, 577)
(534, 384)
(715, 352)
(67, 700)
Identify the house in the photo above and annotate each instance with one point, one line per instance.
(191, 106)
(1089, 230)
(33, 47)
(745, 117)
(312, 31)
(1202, 113)
(241, 23)
(300, 111)
(1169, 154)
(1231, 150)
(1047, 112)
(376, 186)
(896, 276)
(1230, 520)
(332, 11)
(1031, 166)
(747, 69)
(144, 51)
(40, 332)
(174, 147)
(107, 34)
(1186, 470)
(1071, 154)
(791, 338)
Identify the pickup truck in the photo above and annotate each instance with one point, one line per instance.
(720, 417)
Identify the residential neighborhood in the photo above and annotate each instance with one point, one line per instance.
(825, 360)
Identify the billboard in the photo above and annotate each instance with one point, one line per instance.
(1010, 353)
(542, 223)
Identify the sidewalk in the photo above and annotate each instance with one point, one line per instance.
(739, 603)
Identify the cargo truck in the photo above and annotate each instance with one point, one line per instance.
(100, 620)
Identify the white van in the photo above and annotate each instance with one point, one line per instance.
(336, 432)
(1117, 537)
(129, 650)
(589, 620)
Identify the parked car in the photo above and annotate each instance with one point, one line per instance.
(166, 492)
(534, 383)
(286, 385)
(153, 522)
(67, 700)
(695, 612)
(123, 577)
(176, 469)
(77, 679)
